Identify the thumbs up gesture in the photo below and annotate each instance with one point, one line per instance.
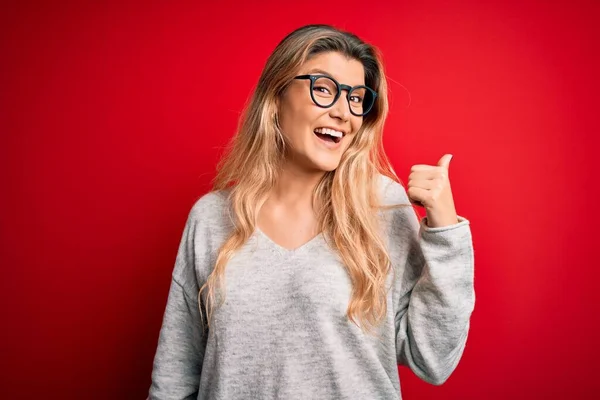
(429, 187)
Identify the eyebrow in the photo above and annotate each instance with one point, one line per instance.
(322, 71)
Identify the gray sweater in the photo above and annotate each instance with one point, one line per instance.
(283, 333)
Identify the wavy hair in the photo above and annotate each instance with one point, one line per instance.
(345, 200)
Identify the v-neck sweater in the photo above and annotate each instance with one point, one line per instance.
(283, 332)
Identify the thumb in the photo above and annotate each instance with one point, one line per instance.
(445, 161)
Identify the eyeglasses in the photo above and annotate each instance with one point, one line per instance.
(325, 91)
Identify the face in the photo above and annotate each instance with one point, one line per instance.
(299, 116)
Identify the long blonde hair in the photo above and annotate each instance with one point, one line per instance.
(344, 199)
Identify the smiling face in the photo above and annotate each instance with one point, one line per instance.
(311, 130)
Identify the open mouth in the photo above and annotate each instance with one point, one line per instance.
(329, 135)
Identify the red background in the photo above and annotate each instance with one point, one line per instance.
(113, 116)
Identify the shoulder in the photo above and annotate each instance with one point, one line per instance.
(210, 208)
(207, 227)
(211, 219)
(391, 191)
(401, 221)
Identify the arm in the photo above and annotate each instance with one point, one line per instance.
(436, 299)
(180, 351)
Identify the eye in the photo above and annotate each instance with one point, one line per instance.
(356, 99)
(321, 89)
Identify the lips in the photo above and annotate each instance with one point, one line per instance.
(329, 134)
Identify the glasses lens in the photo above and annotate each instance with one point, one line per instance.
(324, 91)
(361, 100)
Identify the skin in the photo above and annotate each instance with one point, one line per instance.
(287, 216)
(429, 187)
(299, 116)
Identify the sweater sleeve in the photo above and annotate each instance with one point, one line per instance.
(181, 344)
(434, 292)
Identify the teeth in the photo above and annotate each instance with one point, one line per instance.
(330, 132)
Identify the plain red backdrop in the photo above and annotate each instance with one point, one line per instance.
(113, 115)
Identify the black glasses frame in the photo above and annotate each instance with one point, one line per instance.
(340, 87)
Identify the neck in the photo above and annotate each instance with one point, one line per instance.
(295, 187)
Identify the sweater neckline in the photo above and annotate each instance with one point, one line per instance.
(286, 251)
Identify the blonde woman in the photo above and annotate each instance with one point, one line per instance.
(305, 273)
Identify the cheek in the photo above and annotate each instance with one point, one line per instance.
(295, 118)
(294, 124)
(356, 125)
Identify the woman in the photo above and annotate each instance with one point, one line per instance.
(306, 273)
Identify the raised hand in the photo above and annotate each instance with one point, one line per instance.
(429, 187)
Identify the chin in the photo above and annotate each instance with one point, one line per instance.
(326, 166)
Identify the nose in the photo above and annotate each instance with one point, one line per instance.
(341, 108)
